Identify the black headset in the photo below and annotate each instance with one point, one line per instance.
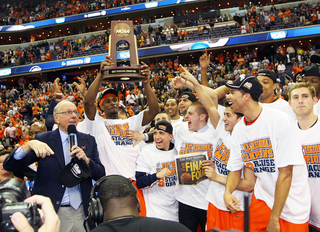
(95, 209)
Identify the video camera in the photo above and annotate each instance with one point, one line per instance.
(12, 194)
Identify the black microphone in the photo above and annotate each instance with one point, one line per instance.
(71, 132)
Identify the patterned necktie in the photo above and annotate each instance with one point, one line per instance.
(74, 192)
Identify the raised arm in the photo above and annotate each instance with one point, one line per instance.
(154, 108)
(90, 97)
(204, 98)
(214, 94)
(204, 62)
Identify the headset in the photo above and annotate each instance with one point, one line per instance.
(95, 209)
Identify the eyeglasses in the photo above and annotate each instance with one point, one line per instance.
(69, 112)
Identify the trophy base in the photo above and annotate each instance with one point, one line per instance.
(123, 74)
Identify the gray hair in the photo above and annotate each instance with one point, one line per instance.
(58, 106)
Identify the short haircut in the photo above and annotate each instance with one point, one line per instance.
(176, 100)
(58, 106)
(302, 85)
(200, 109)
(227, 104)
(115, 188)
(163, 112)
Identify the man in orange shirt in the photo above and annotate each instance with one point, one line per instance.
(272, 19)
(280, 15)
(35, 111)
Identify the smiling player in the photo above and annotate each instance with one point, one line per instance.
(156, 174)
(265, 142)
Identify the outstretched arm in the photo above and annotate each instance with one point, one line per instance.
(90, 97)
(154, 108)
(204, 98)
(218, 93)
(204, 62)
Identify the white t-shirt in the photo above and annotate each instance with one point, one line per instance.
(177, 122)
(159, 198)
(310, 141)
(271, 142)
(116, 151)
(220, 158)
(221, 110)
(316, 108)
(189, 142)
(281, 105)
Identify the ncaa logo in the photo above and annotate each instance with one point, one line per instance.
(63, 63)
(278, 35)
(87, 60)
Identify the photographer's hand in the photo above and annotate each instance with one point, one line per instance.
(49, 218)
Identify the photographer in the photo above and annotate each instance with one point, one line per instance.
(49, 219)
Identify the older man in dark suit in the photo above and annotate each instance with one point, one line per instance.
(51, 150)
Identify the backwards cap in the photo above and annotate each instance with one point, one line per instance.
(269, 73)
(249, 84)
(164, 126)
(312, 70)
(190, 96)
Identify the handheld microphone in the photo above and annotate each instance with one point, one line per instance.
(71, 132)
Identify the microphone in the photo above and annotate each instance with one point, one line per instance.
(71, 132)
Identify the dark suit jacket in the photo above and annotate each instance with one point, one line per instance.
(47, 181)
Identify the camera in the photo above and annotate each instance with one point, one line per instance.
(12, 194)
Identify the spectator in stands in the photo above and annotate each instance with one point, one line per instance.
(9, 142)
(281, 72)
(11, 130)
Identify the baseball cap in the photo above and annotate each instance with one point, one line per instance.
(269, 73)
(312, 70)
(106, 93)
(315, 58)
(249, 84)
(190, 96)
(121, 106)
(164, 126)
(74, 172)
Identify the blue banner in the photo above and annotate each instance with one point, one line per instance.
(174, 48)
(93, 14)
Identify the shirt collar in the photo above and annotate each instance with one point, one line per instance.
(203, 129)
(63, 135)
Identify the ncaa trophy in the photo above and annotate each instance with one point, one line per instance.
(123, 31)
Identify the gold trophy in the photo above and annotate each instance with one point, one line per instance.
(122, 31)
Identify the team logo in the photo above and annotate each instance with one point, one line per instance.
(248, 85)
(76, 171)
(35, 69)
(87, 60)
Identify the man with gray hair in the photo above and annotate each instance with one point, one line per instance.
(53, 153)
